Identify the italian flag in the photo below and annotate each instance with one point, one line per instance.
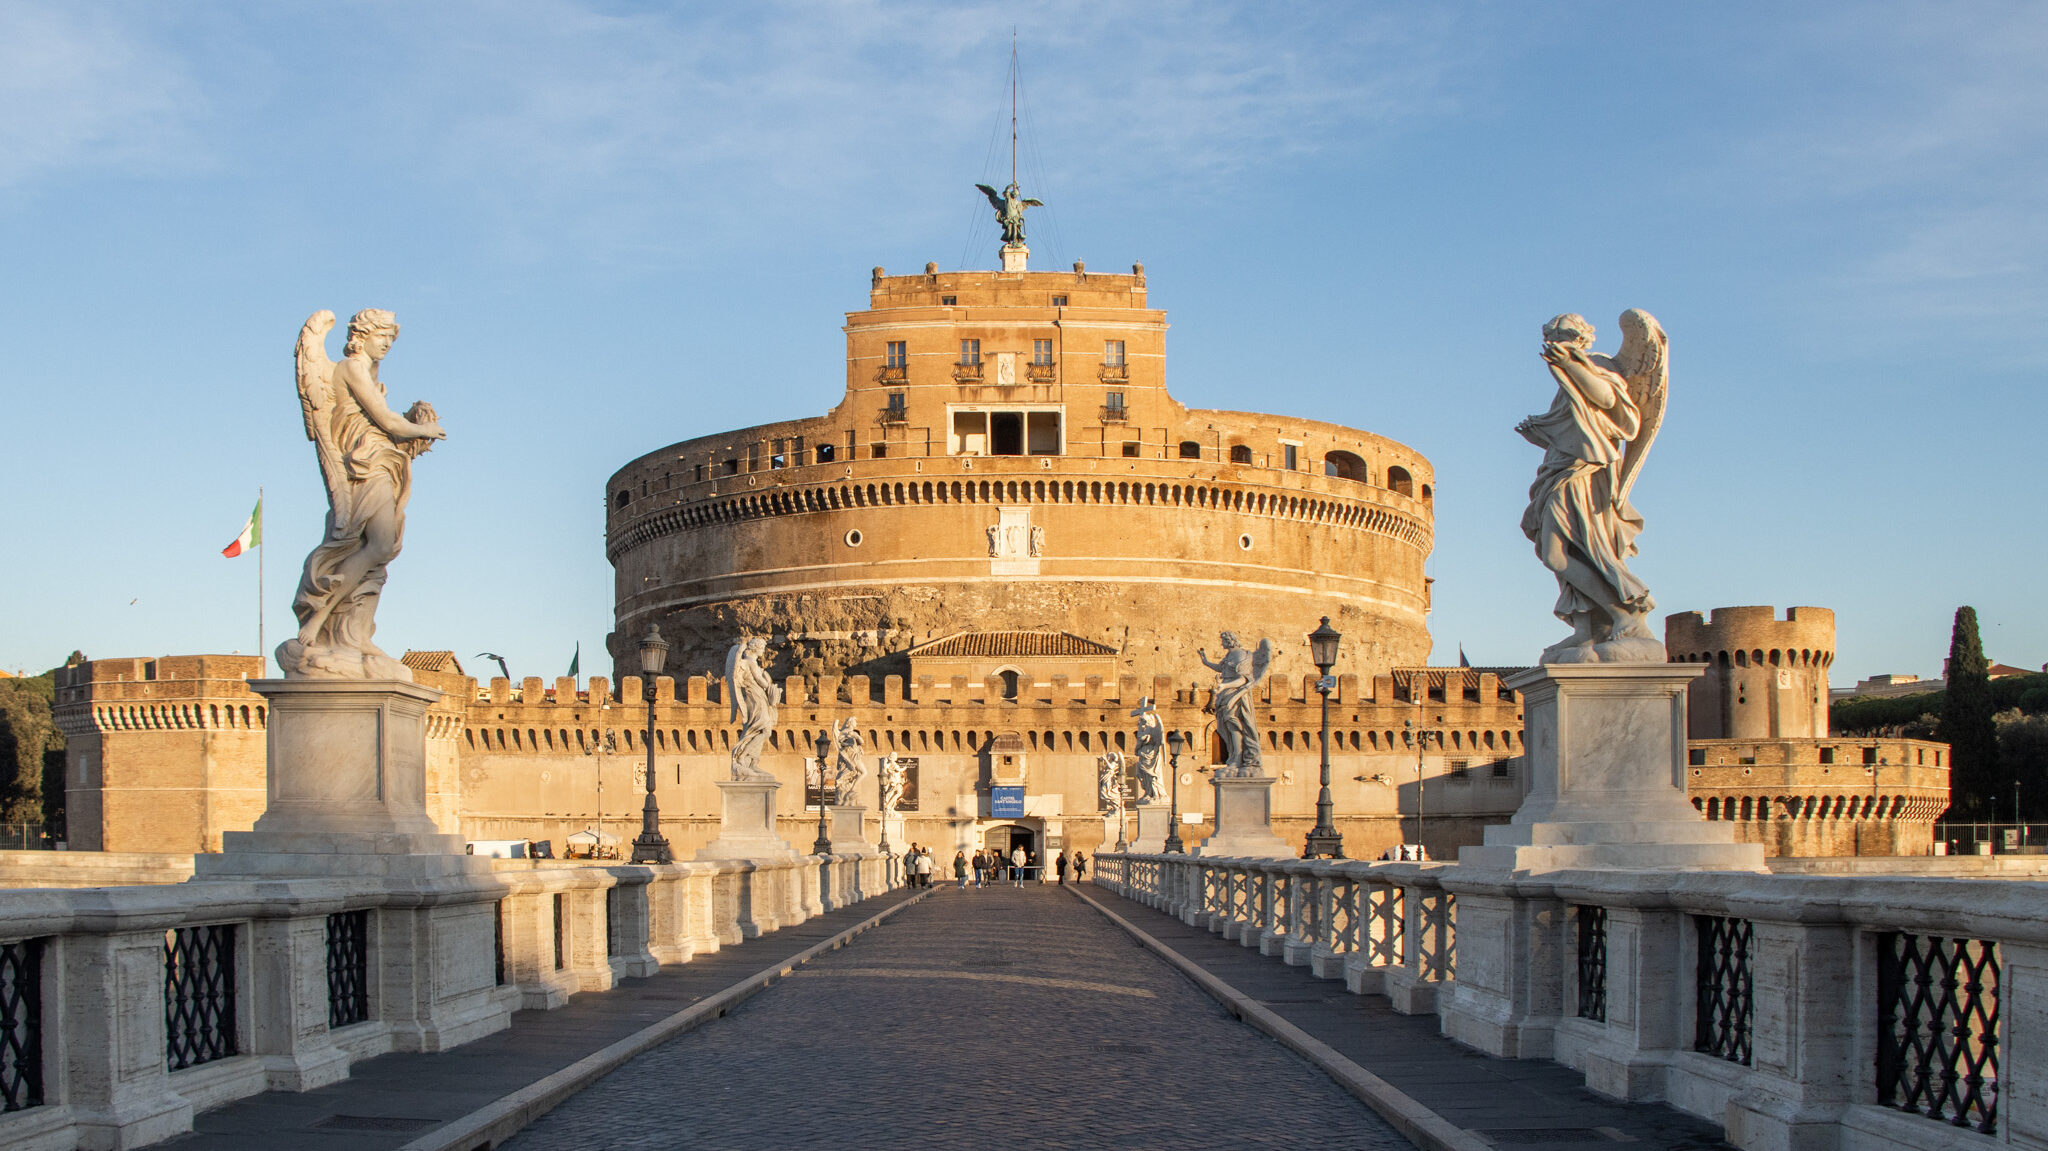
(252, 534)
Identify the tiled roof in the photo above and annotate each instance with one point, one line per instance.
(1012, 645)
(432, 661)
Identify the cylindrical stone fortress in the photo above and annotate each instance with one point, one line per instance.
(1767, 678)
(1007, 457)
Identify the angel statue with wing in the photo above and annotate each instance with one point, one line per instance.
(849, 764)
(1147, 752)
(754, 697)
(891, 773)
(1109, 783)
(1594, 438)
(366, 452)
(1238, 672)
(1009, 206)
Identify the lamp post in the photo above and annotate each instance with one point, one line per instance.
(1421, 738)
(1324, 841)
(651, 846)
(1173, 844)
(824, 844)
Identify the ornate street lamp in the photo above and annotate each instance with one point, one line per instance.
(651, 846)
(1324, 840)
(1421, 738)
(824, 844)
(1173, 844)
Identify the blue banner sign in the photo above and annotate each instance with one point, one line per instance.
(1006, 802)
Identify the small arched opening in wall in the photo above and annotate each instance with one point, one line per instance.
(1240, 454)
(1346, 466)
(1008, 676)
(1428, 496)
(1398, 480)
(1190, 450)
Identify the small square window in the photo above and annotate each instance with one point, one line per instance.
(1130, 449)
(1827, 755)
(949, 301)
(878, 451)
(1059, 301)
(1869, 755)
(1461, 771)
(1697, 757)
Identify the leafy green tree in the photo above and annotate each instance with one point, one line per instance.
(1976, 781)
(28, 739)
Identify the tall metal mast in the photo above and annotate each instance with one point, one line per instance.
(1013, 106)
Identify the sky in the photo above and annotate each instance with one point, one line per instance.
(607, 227)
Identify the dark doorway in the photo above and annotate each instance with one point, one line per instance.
(1006, 433)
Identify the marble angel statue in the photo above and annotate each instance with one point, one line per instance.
(755, 698)
(1238, 673)
(1148, 753)
(1594, 439)
(850, 764)
(891, 774)
(1109, 782)
(366, 452)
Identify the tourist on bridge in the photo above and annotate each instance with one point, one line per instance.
(960, 870)
(924, 867)
(1017, 858)
(1060, 865)
(1080, 866)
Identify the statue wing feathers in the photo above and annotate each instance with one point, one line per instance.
(732, 682)
(1032, 203)
(995, 198)
(1644, 361)
(317, 399)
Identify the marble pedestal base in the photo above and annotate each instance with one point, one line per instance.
(746, 827)
(346, 787)
(1015, 257)
(1606, 762)
(1154, 821)
(1244, 820)
(848, 829)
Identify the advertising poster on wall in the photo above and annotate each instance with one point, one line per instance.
(814, 783)
(1006, 802)
(909, 765)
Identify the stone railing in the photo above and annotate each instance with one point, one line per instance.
(1798, 1011)
(128, 1009)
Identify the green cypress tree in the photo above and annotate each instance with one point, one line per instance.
(1976, 785)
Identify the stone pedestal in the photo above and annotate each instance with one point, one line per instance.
(1154, 821)
(746, 827)
(1244, 820)
(346, 787)
(893, 834)
(1015, 256)
(1606, 763)
(848, 829)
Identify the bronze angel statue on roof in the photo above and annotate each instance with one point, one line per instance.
(1594, 439)
(366, 452)
(1009, 206)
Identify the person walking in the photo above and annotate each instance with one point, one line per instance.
(1060, 865)
(960, 870)
(924, 868)
(1017, 858)
(1080, 866)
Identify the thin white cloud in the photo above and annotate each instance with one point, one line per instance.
(84, 91)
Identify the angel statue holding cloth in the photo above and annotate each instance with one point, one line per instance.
(754, 698)
(1594, 438)
(1238, 673)
(366, 452)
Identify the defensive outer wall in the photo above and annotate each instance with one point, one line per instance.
(1006, 455)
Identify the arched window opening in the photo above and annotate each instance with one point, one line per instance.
(1240, 454)
(1346, 466)
(1190, 450)
(1009, 684)
(1398, 480)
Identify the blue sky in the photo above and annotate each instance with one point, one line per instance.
(607, 227)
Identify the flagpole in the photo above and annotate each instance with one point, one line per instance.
(262, 653)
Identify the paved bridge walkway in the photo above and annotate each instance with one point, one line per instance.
(990, 1018)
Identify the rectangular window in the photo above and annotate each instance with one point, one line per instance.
(1461, 771)
(1114, 401)
(825, 453)
(1041, 352)
(1113, 353)
(897, 356)
(948, 301)
(878, 451)
(700, 473)
(898, 405)
(1059, 301)
(1869, 755)
(1827, 755)
(1130, 448)
(970, 351)
(1504, 771)
(779, 458)
(1042, 433)
(1697, 757)
(1004, 433)
(1292, 454)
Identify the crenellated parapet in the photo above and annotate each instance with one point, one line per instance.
(1767, 678)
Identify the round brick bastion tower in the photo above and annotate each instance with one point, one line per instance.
(1007, 458)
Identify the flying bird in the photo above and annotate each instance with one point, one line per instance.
(506, 671)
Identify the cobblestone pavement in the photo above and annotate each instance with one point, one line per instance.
(979, 1019)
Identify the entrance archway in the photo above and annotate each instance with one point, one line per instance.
(1004, 837)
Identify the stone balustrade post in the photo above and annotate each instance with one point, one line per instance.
(287, 1003)
(668, 915)
(1301, 930)
(1429, 955)
(627, 922)
(1280, 920)
(1333, 889)
(1803, 1045)
(1511, 955)
(111, 1039)
(1381, 932)
(533, 937)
